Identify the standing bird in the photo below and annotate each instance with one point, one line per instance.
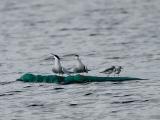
(118, 70)
(109, 70)
(58, 69)
(80, 68)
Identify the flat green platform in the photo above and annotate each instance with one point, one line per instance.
(71, 79)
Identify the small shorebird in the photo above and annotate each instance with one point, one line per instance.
(58, 69)
(109, 71)
(118, 70)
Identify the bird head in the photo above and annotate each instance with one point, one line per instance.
(113, 67)
(76, 56)
(55, 56)
(120, 67)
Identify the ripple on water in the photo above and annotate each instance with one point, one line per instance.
(128, 101)
(103, 33)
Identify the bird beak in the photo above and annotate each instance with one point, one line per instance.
(52, 54)
(49, 58)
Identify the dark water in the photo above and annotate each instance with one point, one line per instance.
(103, 33)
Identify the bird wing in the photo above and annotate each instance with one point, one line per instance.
(118, 71)
(54, 70)
(106, 70)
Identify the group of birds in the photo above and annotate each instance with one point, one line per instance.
(115, 70)
(80, 68)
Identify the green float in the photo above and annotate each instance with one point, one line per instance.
(71, 79)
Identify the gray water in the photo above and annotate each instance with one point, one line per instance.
(103, 33)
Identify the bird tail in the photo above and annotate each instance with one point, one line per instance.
(86, 69)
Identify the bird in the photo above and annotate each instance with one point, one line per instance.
(80, 68)
(109, 71)
(58, 69)
(118, 70)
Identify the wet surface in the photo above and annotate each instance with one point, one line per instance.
(103, 33)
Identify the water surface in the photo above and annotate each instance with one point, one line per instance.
(103, 33)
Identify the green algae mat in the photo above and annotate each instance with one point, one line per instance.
(70, 79)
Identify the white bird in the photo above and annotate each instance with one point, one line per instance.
(80, 68)
(118, 70)
(109, 71)
(58, 69)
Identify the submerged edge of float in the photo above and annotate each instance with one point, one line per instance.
(29, 77)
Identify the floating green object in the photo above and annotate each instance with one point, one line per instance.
(70, 79)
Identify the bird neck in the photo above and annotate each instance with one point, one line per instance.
(57, 63)
(79, 62)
